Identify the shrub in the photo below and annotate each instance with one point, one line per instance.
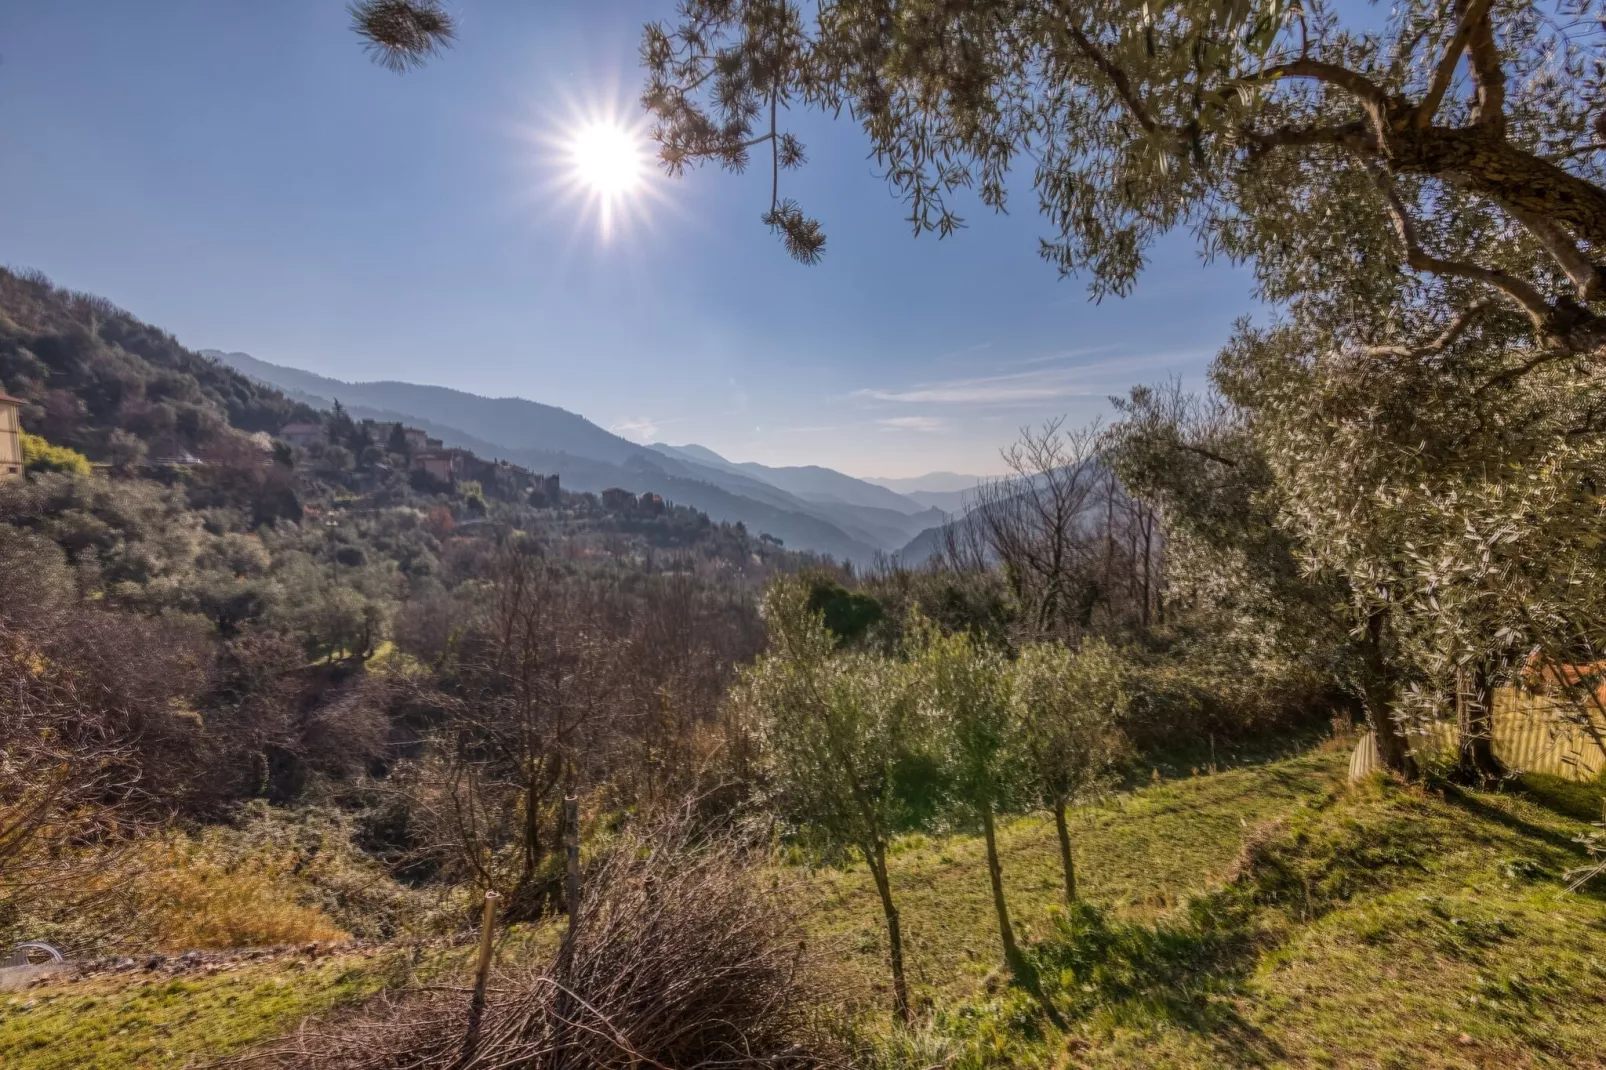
(682, 958)
(40, 456)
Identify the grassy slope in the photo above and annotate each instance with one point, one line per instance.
(1371, 926)
(1144, 852)
(1368, 926)
(122, 1023)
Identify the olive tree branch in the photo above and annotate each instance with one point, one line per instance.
(1112, 72)
(1581, 271)
(1456, 328)
(1422, 116)
(1532, 301)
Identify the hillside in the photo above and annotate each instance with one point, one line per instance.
(1269, 914)
(511, 423)
(551, 439)
(948, 491)
(807, 481)
(100, 381)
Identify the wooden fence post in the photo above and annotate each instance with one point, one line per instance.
(482, 973)
(564, 1003)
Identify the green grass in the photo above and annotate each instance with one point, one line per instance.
(1270, 916)
(119, 1022)
(1143, 853)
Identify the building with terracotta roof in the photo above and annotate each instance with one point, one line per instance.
(302, 434)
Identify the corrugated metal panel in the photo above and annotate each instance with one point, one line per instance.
(1532, 734)
(1363, 761)
(1537, 734)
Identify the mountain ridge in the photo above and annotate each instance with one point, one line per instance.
(548, 438)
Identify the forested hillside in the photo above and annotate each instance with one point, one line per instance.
(210, 615)
(1263, 725)
(807, 508)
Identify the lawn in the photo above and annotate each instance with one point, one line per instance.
(1269, 916)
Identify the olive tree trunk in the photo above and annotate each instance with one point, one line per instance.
(875, 856)
(1377, 695)
(995, 871)
(1067, 862)
(1474, 701)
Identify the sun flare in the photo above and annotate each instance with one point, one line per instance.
(607, 159)
(595, 167)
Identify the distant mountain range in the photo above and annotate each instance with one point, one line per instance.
(950, 492)
(807, 507)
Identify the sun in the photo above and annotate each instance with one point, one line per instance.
(593, 165)
(607, 159)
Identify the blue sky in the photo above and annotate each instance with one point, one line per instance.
(241, 175)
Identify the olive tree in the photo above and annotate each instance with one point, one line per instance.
(1459, 506)
(841, 731)
(1237, 564)
(1069, 706)
(969, 689)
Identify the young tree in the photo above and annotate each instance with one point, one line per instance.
(969, 689)
(841, 733)
(1070, 705)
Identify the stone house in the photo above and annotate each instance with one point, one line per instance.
(444, 465)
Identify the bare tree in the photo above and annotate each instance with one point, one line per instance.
(1037, 523)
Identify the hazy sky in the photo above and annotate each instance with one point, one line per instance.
(241, 175)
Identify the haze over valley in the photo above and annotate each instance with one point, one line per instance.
(808, 508)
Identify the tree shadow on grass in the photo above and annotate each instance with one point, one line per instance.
(1579, 800)
(1471, 803)
(1559, 803)
(1181, 974)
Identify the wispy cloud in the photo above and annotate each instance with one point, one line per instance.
(636, 428)
(1036, 385)
(928, 424)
